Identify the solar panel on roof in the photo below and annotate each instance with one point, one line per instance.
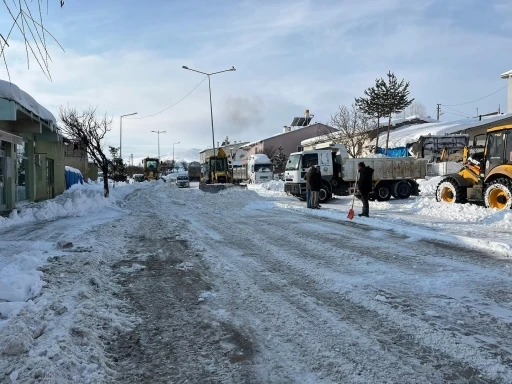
(301, 121)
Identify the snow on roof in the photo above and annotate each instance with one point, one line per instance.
(401, 120)
(260, 158)
(11, 92)
(409, 134)
(506, 74)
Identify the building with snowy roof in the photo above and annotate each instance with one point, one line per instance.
(403, 138)
(31, 153)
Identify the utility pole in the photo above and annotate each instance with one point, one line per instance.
(158, 133)
(438, 111)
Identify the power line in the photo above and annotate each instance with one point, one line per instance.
(456, 114)
(455, 110)
(169, 107)
(472, 101)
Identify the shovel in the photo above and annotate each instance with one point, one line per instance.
(350, 215)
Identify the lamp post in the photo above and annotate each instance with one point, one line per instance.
(211, 108)
(173, 144)
(121, 133)
(158, 133)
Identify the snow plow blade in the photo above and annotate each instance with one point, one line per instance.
(214, 188)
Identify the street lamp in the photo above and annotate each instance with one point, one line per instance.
(158, 133)
(211, 109)
(173, 152)
(121, 133)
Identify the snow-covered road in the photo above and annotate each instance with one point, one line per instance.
(239, 287)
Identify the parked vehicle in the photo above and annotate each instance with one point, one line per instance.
(258, 169)
(138, 177)
(182, 181)
(194, 171)
(392, 176)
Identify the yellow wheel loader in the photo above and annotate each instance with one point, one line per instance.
(151, 168)
(485, 176)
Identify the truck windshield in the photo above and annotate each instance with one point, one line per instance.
(262, 167)
(293, 163)
(182, 178)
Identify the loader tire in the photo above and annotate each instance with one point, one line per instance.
(402, 189)
(382, 192)
(498, 194)
(449, 191)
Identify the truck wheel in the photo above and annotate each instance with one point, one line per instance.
(402, 189)
(382, 192)
(449, 191)
(324, 195)
(498, 194)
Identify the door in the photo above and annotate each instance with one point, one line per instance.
(307, 159)
(50, 179)
(508, 149)
(2, 182)
(495, 151)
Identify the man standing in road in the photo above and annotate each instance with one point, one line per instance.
(307, 177)
(365, 186)
(315, 181)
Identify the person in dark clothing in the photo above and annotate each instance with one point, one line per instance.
(365, 186)
(307, 176)
(315, 181)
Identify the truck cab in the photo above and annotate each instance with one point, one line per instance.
(260, 169)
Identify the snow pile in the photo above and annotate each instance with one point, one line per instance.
(273, 185)
(374, 156)
(11, 92)
(428, 187)
(71, 169)
(76, 201)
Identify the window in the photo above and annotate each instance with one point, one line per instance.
(293, 163)
(309, 158)
(508, 153)
(21, 173)
(495, 145)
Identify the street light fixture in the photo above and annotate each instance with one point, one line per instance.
(210, 90)
(121, 133)
(173, 144)
(158, 133)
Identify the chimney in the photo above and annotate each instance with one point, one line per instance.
(508, 76)
(285, 129)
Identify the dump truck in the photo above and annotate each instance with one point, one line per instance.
(194, 171)
(486, 172)
(392, 176)
(151, 168)
(258, 169)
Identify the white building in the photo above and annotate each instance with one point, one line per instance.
(508, 77)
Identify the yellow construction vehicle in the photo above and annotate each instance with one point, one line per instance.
(216, 169)
(486, 176)
(151, 168)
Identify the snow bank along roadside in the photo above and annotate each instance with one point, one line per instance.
(58, 334)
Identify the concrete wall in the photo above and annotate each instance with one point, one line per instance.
(54, 151)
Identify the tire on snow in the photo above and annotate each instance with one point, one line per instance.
(325, 194)
(449, 191)
(382, 192)
(402, 189)
(498, 194)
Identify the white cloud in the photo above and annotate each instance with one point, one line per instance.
(289, 56)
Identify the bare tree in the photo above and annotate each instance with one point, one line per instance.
(89, 130)
(416, 109)
(270, 151)
(28, 21)
(353, 129)
(184, 164)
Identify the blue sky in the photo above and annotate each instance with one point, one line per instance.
(125, 56)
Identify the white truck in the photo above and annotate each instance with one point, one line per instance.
(392, 176)
(258, 169)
